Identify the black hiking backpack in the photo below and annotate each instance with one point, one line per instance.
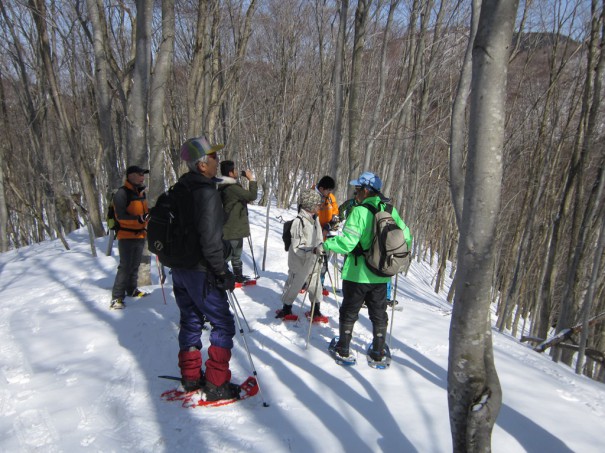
(286, 233)
(171, 233)
(388, 254)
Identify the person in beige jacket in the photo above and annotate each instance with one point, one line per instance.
(304, 255)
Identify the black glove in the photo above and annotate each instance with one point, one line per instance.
(225, 281)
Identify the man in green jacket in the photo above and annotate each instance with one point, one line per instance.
(235, 203)
(360, 284)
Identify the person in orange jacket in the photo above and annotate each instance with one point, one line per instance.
(132, 215)
(329, 208)
(328, 213)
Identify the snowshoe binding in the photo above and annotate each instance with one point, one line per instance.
(380, 360)
(343, 360)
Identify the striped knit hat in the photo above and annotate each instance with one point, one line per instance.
(195, 148)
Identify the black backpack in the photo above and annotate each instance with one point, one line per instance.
(171, 233)
(287, 235)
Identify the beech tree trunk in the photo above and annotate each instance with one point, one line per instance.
(355, 91)
(159, 81)
(474, 392)
(338, 77)
(103, 95)
(138, 97)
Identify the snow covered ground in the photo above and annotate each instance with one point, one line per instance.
(75, 376)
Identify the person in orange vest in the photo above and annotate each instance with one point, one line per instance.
(132, 215)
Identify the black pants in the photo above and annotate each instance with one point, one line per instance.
(355, 294)
(131, 252)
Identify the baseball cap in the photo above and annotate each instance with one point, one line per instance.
(368, 179)
(135, 169)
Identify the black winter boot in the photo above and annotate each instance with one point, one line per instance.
(344, 340)
(239, 276)
(226, 391)
(316, 311)
(285, 310)
(378, 350)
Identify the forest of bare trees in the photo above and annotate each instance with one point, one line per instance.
(301, 88)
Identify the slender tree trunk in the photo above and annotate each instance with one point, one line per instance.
(588, 130)
(138, 98)
(103, 93)
(159, 81)
(382, 76)
(355, 105)
(474, 392)
(4, 238)
(86, 179)
(458, 123)
(338, 77)
(589, 297)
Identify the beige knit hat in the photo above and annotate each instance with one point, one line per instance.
(309, 198)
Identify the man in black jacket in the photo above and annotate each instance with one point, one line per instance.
(201, 291)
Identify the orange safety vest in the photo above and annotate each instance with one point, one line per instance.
(137, 206)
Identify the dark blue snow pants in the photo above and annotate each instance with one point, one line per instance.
(199, 300)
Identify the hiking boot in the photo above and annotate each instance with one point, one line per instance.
(378, 342)
(316, 312)
(344, 339)
(192, 386)
(284, 311)
(138, 293)
(117, 304)
(225, 391)
(241, 278)
(239, 275)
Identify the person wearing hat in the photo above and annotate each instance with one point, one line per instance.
(360, 284)
(235, 203)
(132, 215)
(303, 259)
(201, 291)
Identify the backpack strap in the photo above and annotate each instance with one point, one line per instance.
(358, 250)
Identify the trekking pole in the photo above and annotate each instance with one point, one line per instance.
(253, 260)
(333, 288)
(336, 270)
(306, 284)
(312, 312)
(310, 324)
(162, 277)
(303, 302)
(241, 331)
(242, 312)
(393, 298)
